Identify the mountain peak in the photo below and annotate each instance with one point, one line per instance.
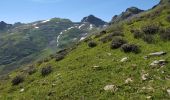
(4, 25)
(128, 13)
(93, 20)
(134, 10)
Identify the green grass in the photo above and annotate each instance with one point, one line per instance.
(74, 78)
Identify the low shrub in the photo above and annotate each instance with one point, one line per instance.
(117, 42)
(109, 37)
(149, 38)
(100, 34)
(168, 18)
(165, 34)
(46, 70)
(31, 70)
(150, 29)
(92, 44)
(137, 33)
(130, 48)
(17, 80)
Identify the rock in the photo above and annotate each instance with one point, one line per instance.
(53, 85)
(109, 54)
(96, 67)
(128, 80)
(158, 63)
(157, 53)
(144, 76)
(168, 91)
(22, 90)
(148, 97)
(124, 59)
(111, 88)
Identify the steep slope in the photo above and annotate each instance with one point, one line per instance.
(93, 70)
(23, 43)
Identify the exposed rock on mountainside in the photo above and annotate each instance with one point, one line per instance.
(93, 20)
(127, 14)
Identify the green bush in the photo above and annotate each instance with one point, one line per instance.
(130, 48)
(17, 80)
(46, 70)
(165, 34)
(150, 29)
(92, 44)
(117, 42)
(149, 38)
(168, 18)
(137, 33)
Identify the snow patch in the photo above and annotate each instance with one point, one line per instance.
(81, 26)
(91, 27)
(45, 21)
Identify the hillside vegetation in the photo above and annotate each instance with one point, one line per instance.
(127, 61)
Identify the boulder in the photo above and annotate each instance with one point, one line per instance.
(158, 63)
(158, 53)
(125, 59)
(168, 91)
(128, 80)
(111, 88)
(145, 76)
(22, 90)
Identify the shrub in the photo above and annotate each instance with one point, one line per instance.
(165, 34)
(92, 44)
(117, 42)
(17, 80)
(168, 18)
(31, 70)
(150, 29)
(59, 57)
(100, 34)
(110, 36)
(60, 54)
(130, 48)
(149, 39)
(46, 70)
(137, 33)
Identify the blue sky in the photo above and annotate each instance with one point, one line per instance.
(33, 10)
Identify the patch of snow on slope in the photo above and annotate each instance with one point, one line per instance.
(81, 26)
(45, 21)
(59, 38)
(91, 27)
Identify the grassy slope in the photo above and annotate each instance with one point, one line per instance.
(74, 77)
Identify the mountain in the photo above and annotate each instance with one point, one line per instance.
(127, 14)
(24, 43)
(127, 60)
(4, 26)
(93, 20)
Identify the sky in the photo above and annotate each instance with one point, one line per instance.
(32, 10)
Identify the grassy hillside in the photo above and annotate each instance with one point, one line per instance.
(85, 72)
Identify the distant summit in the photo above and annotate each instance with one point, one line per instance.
(93, 20)
(4, 26)
(128, 13)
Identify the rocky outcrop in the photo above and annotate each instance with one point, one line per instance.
(127, 14)
(93, 20)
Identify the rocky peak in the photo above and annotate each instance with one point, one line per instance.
(4, 25)
(128, 13)
(93, 20)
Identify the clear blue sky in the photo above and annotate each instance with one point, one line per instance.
(32, 10)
